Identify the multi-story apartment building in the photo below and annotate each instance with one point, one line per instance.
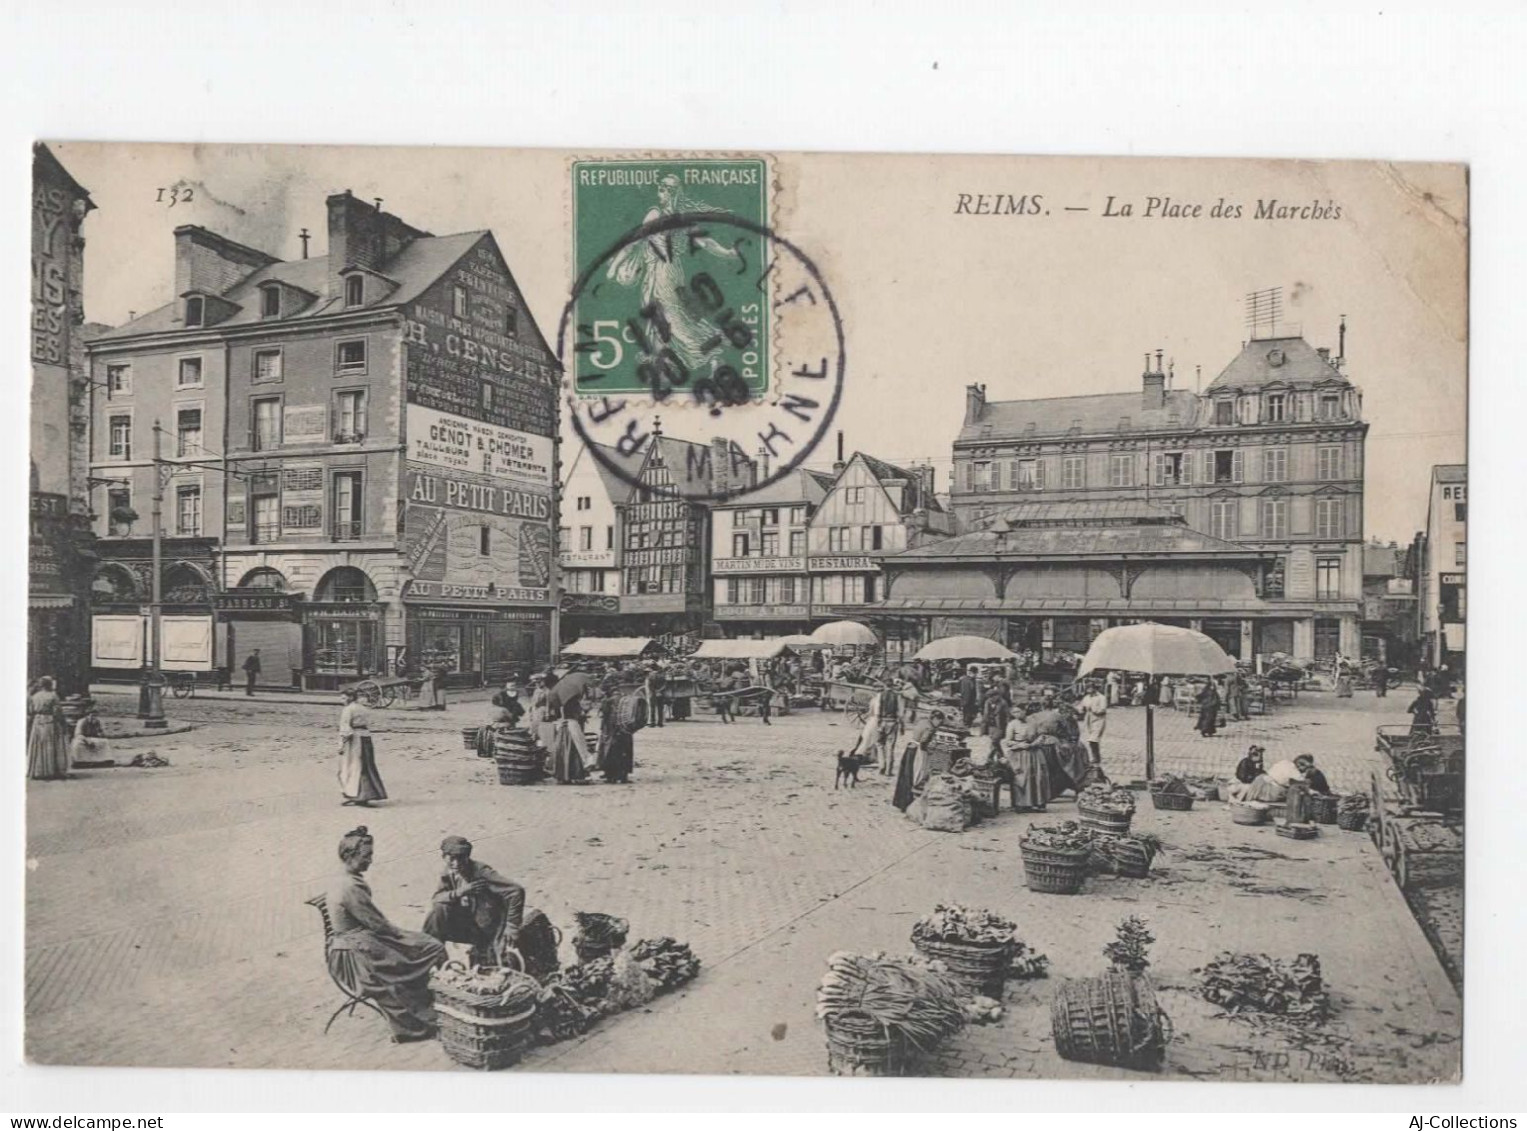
(1441, 600)
(588, 545)
(359, 447)
(60, 554)
(1268, 457)
(758, 555)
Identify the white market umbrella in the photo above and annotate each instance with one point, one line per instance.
(800, 641)
(964, 648)
(844, 632)
(1155, 649)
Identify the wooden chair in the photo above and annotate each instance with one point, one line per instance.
(341, 967)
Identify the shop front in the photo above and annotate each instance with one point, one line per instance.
(589, 614)
(477, 644)
(260, 614)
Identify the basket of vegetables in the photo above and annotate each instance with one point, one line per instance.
(975, 946)
(1130, 856)
(1250, 812)
(879, 1011)
(1114, 1019)
(1055, 857)
(1107, 808)
(1352, 812)
(486, 1014)
(598, 934)
(1171, 792)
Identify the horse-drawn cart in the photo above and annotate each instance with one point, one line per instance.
(386, 691)
(1416, 800)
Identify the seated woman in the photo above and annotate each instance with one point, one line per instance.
(1271, 787)
(1247, 770)
(89, 743)
(504, 711)
(390, 965)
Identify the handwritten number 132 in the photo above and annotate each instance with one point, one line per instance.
(178, 195)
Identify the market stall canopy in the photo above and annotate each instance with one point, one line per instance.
(964, 648)
(844, 632)
(1156, 649)
(609, 647)
(800, 641)
(739, 650)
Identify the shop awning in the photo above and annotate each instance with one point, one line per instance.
(740, 650)
(1452, 635)
(609, 647)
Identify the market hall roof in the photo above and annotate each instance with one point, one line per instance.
(1077, 540)
(1005, 421)
(1277, 361)
(1084, 511)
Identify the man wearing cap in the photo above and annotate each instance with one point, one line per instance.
(473, 903)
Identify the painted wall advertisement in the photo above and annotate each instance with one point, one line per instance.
(472, 537)
(457, 443)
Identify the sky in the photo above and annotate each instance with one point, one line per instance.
(933, 295)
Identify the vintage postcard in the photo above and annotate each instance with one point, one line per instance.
(746, 613)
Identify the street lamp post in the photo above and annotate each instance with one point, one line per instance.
(152, 711)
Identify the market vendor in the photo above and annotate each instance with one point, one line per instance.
(503, 711)
(1305, 765)
(387, 964)
(473, 904)
(89, 743)
(1271, 787)
(912, 773)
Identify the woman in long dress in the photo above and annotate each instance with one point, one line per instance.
(1028, 769)
(617, 745)
(387, 963)
(89, 743)
(47, 755)
(358, 778)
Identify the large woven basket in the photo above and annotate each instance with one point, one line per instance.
(1352, 822)
(1323, 808)
(519, 760)
(1052, 872)
(1244, 813)
(1113, 1019)
(469, 737)
(859, 1045)
(483, 1042)
(979, 967)
(1127, 856)
(1181, 802)
(1104, 820)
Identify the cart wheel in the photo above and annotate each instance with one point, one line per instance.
(1401, 862)
(388, 695)
(180, 690)
(369, 693)
(1376, 820)
(1389, 849)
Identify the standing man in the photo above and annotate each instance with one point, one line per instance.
(251, 671)
(970, 701)
(1381, 681)
(656, 682)
(1094, 709)
(1208, 709)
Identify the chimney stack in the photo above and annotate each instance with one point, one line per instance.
(838, 463)
(975, 403)
(1341, 351)
(763, 462)
(304, 237)
(209, 263)
(1153, 385)
(362, 235)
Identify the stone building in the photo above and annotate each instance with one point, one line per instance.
(1269, 457)
(1442, 569)
(359, 452)
(61, 554)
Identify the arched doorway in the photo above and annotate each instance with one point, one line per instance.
(342, 629)
(262, 613)
(264, 578)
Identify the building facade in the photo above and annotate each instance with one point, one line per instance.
(60, 553)
(589, 546)
(759, 554)
(1441, 600)
(365, 441)
(1268, 457)
(1389, 605)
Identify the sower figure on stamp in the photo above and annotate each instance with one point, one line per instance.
(473, 903)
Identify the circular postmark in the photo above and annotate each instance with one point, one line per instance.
(711, 332)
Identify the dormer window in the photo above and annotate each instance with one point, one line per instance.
(1277, 408)
(355, 290)
(195, 310)
(1224, 412)
(1330, 406)
(270, 301)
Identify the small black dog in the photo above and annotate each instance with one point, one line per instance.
(848, 770)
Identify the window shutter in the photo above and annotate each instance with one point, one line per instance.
(1187, 467)
(1158, 469)
(1238, 467)
(1208, 467)
(1039, 474)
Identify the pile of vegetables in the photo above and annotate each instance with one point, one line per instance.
(495, 985)
(1172, 784)
(1130, 949)
(923, 1005)
(1027, 963)
(1068, 836)
(1108, 798)
(952, 923)
(1255, 983)
(667, 962)
(979, 1010)
(595, 929)
(1353, 803)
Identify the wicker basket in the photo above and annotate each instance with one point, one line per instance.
(978, 967)
(482, 1032)
(1127, 856)
(1298, 832)
(469, 737)
(1323, 808)
(1352, 822)
(859, 1045)
(519, 760)
(1180, 802)
(1249, 813)
(1052, 872)
(1104, 820)
(1114, 1020)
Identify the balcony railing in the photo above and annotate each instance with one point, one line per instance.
(348, 530)
(267, 532)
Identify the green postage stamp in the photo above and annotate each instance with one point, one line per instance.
(672, 298)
